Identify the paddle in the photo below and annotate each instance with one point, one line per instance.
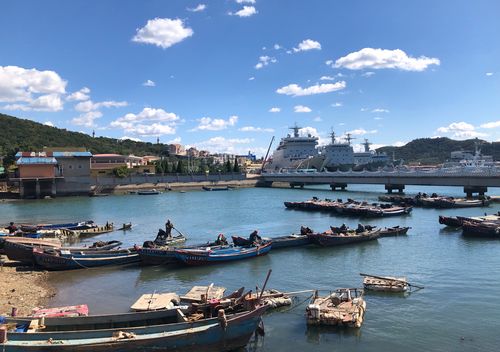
(265, 283)
(180, 233)
(392, 279)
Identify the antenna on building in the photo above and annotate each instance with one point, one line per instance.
(157, 140)
(332, 136)
(93, 133)
(367, 145)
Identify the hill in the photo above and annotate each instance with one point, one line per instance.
(27, 135)
(437, 150)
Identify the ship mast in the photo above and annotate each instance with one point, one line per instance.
(367, 145)
(332, 136)
(349, 138)
(295, 130)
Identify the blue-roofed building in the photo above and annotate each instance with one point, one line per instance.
(55, 171)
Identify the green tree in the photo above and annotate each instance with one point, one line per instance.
(236, 167)
(180, 169)
(121, 171)
(228, 167)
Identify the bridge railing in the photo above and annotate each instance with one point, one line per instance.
(443, 172)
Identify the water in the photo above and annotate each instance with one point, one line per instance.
(457, 310)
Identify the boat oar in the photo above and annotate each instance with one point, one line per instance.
(392, 279)
(265, 283)
(180, 233)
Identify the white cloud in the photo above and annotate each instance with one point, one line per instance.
(489, 73)
(307, 44)
(327, 78)
(223, 145)
(246, 11)
(317, 119)
(329, 62)
(130, 138)
(277, 47)
(264, 61)
(384, 58)
(163, 32)
(140, 124)
(176, 140)
(89, 105)
(245, 1)
(82, 94)
(149, 83)
(199, 8)
(368, 74)
(493, 124)
(461, 130)
(49, 123)
(31, 89)
(275, 109)
(337, 104)
(378, 118)
(361, 132)
(301, 108)
(296, 90)
(87, 118)
(211, 124)
(255, 129)
(399, 144)
(376, 110)
(251, 78)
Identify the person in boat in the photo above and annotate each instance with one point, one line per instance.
(305, 230)
(12, 228)
(343, 228)
(168, 229)
(221, 240)
(255, 238)
(361, 228)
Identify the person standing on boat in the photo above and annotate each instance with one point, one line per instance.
(221, 240)
(12, 228)
(168, 228)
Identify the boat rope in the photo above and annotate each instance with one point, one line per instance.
(296, 305)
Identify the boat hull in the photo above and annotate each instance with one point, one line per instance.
(393, 231)
(290, 241)
(203, 335)
(197, 257)
(327, 240)
(85, 260)
(23, 252)
(155, 256)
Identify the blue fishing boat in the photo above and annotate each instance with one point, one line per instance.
(148, 192)
(165, 330)
(219, 254)
(69, 259)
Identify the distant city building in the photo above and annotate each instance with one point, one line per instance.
(193, 152)
(176, 149)
(104, 164)
(148, 159)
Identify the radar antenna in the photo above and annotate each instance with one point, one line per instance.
(295, 130)
(367, 145)
(349, 138)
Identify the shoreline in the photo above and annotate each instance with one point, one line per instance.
(23, 288)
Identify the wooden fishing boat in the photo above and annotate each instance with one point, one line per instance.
(125, 227)
(93, 231)
(385, 283)
(148, 192)
(167, 330)
(81, 225)
(457, 221)
(329, 238)
(481, 229)
(157, 256)
(293, 240)
(460, 203)
(394, 231)
(21, 249)
(213, 255)
(68, 260)
(344, 307)
(392, 211)
(68, 311)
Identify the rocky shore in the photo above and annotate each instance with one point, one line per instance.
(23, 288)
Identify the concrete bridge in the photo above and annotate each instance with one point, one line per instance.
(475, 180)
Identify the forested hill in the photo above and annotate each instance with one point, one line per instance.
(26, 135)
(437, 150)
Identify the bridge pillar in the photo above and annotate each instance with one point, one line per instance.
(470, 190)
(341, 186)
(296, 184)
(389, 188)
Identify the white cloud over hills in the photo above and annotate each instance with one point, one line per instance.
(163, 32)
(148, 122)
(215, 124)
(31, 89)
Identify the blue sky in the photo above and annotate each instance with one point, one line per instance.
(228, 75)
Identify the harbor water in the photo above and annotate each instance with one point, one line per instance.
(457, 310)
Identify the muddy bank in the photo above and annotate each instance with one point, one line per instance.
(23, 288)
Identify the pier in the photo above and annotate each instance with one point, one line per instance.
(473, 181)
